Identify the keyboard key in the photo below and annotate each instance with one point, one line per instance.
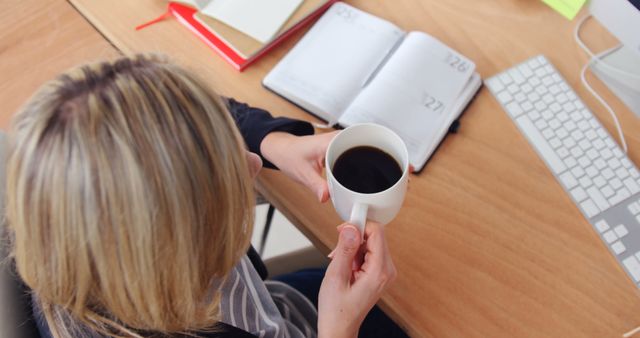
(601, 132)
(568, 180)
(610, 144)
(598, 144)
(513, 89)
(584, 162)
(495, 84)
(561, 98)
(577, 172)
(576, 117)
(555, 107)
(632, 265)
(569, 143)
(626, 163)
(541, 90)
(540, 106)
(634, 173)
(548, 133)
(555, 142)
(526, 88)
(610, 236)
(608, 173)
(577, 152)
(599, 182)
(602, 226)
(554, 162)
(614, 163)
(584, 144)
(593, 154)
(505, 78)
(607, 191)
(617, 198)
(616, 183)
(621, 230)
(618, 153)
(585, 182)
(589, 208)
(622, 173)
(606, 154)
(578, 194)
(504, 97)
(570, 162)
(592, 171)
(618, 247)
(534, 63)
(562, 133)
(514, 109)
(633, 208)
(562, 116)
(562, 152)
(520, 97)
(600, 163)
(526, 105)
(568, 107)
(584, 125)
(600, 201)
(516, 75)
(631, 185)
(540, 124)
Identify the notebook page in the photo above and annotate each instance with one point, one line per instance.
(327, 68)
(260, 19)
(414, 92)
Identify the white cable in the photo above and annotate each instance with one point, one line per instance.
(576, 35)
(596, 58)
(632, 332)
(603, 103)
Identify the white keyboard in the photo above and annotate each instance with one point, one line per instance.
(585, 159)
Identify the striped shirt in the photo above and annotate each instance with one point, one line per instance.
(268, 309)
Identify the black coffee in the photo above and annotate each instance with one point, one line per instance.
(366, 170)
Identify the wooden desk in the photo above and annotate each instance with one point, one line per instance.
(40, 39)
(487, 244)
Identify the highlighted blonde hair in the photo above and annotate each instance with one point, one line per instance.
(129, 198)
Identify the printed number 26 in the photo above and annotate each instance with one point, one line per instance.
(456, 62)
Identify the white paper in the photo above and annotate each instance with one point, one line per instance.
(260, 19)
(414, 92)
(325, 71)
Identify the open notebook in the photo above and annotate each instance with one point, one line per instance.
(353, 67)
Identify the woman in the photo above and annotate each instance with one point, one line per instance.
(130, 204)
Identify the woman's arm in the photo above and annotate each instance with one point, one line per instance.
(285, 144)
(255, 124)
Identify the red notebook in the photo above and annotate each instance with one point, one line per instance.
(185, 15)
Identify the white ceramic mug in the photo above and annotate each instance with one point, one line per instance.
(354, 207)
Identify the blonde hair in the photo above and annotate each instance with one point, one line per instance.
(129, 198)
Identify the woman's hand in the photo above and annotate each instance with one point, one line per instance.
(347, 295)
(300, 157)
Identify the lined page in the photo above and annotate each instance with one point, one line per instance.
(328, 67)
(414, 92)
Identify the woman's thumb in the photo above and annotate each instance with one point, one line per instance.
(345, 252)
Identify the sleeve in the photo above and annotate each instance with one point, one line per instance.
(254, 125)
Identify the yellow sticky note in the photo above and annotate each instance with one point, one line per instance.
(568, 8)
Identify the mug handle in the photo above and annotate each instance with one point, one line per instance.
(359, 216)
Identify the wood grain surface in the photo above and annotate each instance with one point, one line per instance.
(38, 40)
(487, 243)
